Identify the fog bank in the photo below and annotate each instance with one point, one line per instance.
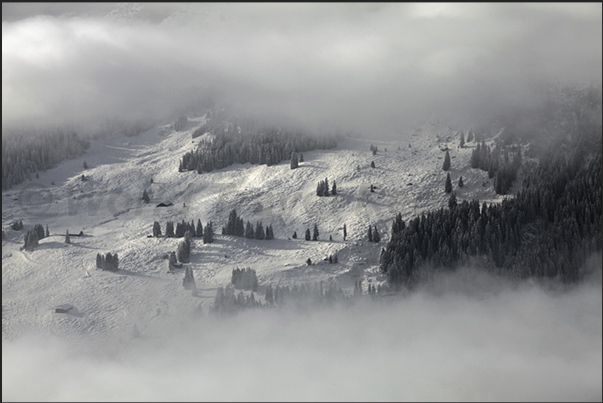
(456, 339)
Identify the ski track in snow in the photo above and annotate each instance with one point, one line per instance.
(109, 210)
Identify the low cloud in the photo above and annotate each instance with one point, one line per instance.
(377, 68)
(468, 336)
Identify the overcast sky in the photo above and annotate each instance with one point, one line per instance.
(371, 67)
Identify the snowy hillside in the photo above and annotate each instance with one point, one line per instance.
(107, 207)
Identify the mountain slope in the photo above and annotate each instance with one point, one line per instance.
(107, 207)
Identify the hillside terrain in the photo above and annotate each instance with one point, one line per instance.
(107, 207)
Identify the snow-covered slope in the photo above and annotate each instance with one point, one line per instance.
(108, 208)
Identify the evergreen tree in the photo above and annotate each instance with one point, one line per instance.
(269, 232)
(345, 232)
(259, 231)
(31, 240)
(208, 233)
(370, 234)
(475, 155)
(334, 188)
(169, 229)
(309, 262)
(294, 160)
(189, 280)
(462, 141)
(156, 229)
(294, 236)
(452, 201)
(308, 236)
(461, 184)
(470, 136)
(47, 232)
(301, 157)
(376, 236)
(249, 232)
(67, 237)
(372, 164)
(145, 196)
(199, 229)
(448, 185)
(183, 252)
(446, 165)
(172, 260)
(315, 233)
(269, 296)
(40, 231)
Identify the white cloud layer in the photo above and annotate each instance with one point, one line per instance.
(466, 337)
(370, 67)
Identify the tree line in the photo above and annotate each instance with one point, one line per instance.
(235, 226)
(243, 140)
(25, 154)
(547, 230)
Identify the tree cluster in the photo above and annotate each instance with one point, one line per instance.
(322, 189)
(107, 262)
(181, 123)
(373, 234)
(244, 279)
(24, 154)
(547, 230)
(235, 226)
(183, 227)
(244, 140)
(496, 163)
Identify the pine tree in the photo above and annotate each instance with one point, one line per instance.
(208, 233)
(452, 201)
(345, 232)
(294, 160)
(249, 232)
(462, 142)
(67, 237)
(376, 236)
(199, 229)
(31, 240)
(173, 260)
(315, 233)
(334, 188)
(308, 236)
(47, 232)
(475, 156)
(448, 185)
(145, 196)
(309, 262)
(461, 184)
(183, 252)
(269, 296)
(372, 164)
(259, 231)
(156, 229)
(169, 229)
(294, 236)
(370, 234)
(301, 157)
(446, 165)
